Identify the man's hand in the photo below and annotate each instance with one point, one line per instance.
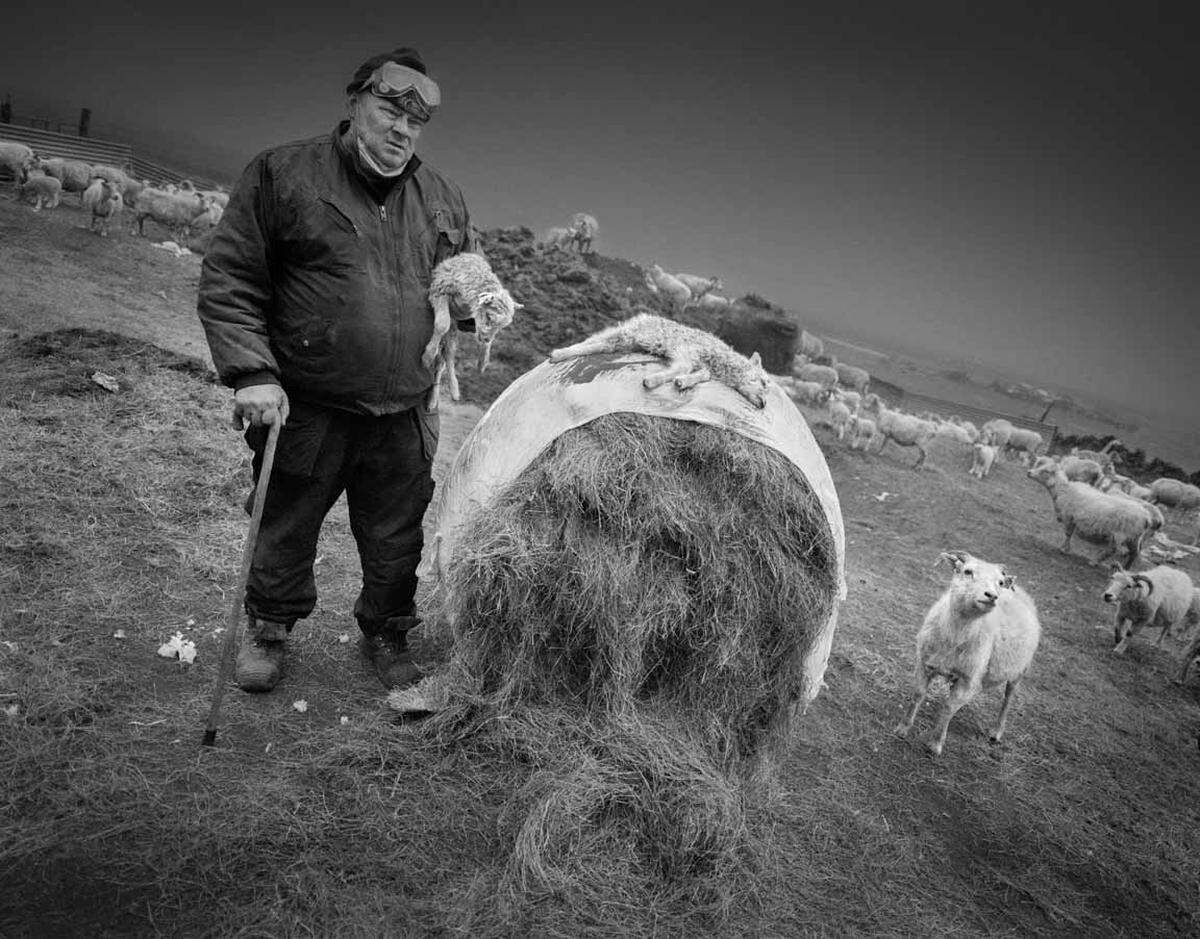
(260, 405)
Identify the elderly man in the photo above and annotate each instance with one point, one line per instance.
(313, 299)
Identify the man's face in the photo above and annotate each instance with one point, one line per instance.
(388, 132)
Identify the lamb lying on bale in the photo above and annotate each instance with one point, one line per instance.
(463, 287)
(694, 355)
(980, 633)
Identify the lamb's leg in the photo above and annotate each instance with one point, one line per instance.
(485, 354)
(441, 325)
(922, 682)
(693, 378)
(591, 346)
(432, 399)
(449, 354)
(1010, 693)
(960, 693)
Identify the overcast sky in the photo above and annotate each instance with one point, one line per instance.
(1016, 180)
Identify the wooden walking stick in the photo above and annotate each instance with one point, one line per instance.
(239, 596)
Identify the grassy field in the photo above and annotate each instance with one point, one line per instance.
(122, 517)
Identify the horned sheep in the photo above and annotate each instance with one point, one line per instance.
(981, 632)
(1162, 596)
(1095, 516)
(904, 429)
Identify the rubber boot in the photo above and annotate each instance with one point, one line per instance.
(260, 658)
(387, 651)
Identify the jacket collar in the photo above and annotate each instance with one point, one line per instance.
(379, 186)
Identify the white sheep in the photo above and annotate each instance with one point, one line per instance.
(17, 158)
(951, 431)
(862, 432)
(852, 398)
(699, 286)
(713, 301)
(983, 455)
(668, 285)
(105, 201)
(174, 210)
(853, 377)
(557, 237)
(1095, 516)
(216, 197)
(903, 429)
(810, 345)
(41, 190)
(1027, 443)
(822, 374)
(75, 175)
(1174, 493)
(805, 392)
(840, 417)
(981, 632)
(117, 177)
(584, 228)
(1074, 468)
(463, 287)
(996, 432)
(1162, 596)
(971, 430)
(1110, 481)
(1104, 456)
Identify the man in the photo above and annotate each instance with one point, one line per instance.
(313, 298)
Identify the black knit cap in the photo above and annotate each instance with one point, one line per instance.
(405, 55)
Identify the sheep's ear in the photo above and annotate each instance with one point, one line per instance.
(955, 558)
(755, 358)
(1007, 579)
(518, 305)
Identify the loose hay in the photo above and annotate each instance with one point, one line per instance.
(630, 619)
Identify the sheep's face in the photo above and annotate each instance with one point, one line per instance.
(976, 583)
(1124, 586)
(753, 386)
(1043, 472)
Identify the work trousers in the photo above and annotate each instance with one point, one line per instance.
(384, 465)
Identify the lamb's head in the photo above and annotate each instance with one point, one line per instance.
(1046, 471)
(753, 386)
(976, 584)
(1124, 585)
(872, 403)
(494, 310)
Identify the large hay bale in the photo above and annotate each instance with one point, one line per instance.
(637, 612)
(770, 330)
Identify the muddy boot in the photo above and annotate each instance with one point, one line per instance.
(387, 650)
(260, 658)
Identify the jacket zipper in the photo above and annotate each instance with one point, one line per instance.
(382, 213)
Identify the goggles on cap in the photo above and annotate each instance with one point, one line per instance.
(416, 93)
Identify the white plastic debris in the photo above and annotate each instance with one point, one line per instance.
(344, 638)
(300, 705)
(344, 719)
(119, 634)
(190, 623)
(12, 710)
(883, 495)
(178, 647)
(174, 248)
(106, 381)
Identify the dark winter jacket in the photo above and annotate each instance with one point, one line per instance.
(311, 282)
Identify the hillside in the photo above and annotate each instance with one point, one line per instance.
(122, 524)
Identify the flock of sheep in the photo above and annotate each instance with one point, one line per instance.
(983, 631)
(108, 193)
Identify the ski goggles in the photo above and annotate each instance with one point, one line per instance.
(416, 93)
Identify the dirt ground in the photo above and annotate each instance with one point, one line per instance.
(121, 514)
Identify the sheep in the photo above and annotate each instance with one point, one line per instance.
(1110, 480)
(840, 417)
(463, 287)
(678, 293)
(583, 229)
(117, 177)
(852, 398)
(1174, 493)
(75, 175)
(106, 203)
(174, 210)
(996, 432)
(822, 374)
(17, 158)
(1027, 443)
(42, 190)
(862, 431)
(981, 632)
(810, 345)
(904, 429)
(853, 377)
(954, 432)
(1103, 456)
(811, 393)
(216, 197)
(971, 430)
(713, 301)
(699, 286)
(1096, 517)
(1193, 649)
(983, 455)
(1162, 596)
(1074, 468)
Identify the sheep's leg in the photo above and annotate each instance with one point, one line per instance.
(693, 378)
(960, 693)
(1193, 650)
(920, 459)
(1161, 636)
(1123, 640)
(923, 679)
(1010, 693)
(1118, 628)
(592, 346)
(1069, 529)
(441, 325)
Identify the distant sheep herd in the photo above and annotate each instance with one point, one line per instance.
(983, 630)
(110, 193)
